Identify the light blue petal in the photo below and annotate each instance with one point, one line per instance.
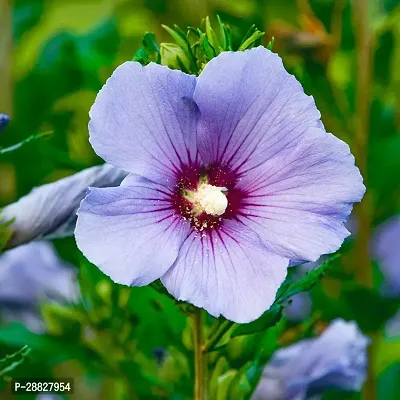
(299, 308)
(49, 211)
(386, 251)
(299, 182)
(251, 109)
(298, 204)
(335, 360)
(132, 232)
(34, 271)
(227, 272)
(144, 121)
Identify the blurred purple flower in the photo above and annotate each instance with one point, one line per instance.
(335, 360)
(232, 176)
(31, 273)
(49, 211)
(301, 304)
(4, 120)
(392, 326)
(299, 308)
(386, 251)
(159, 353)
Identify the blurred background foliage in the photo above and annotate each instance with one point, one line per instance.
(55, 55)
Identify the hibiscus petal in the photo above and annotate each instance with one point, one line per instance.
(251, 109)
(226, 271)
(298, 202)
(299, 182)
(336, 359)
(34, 271)
(144, 120)
(386, 251)
(130, 232)
(49, 211)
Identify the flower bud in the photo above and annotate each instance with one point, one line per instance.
(169, 56)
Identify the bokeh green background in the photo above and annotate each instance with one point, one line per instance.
(55, 55)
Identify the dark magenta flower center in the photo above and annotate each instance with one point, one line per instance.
(189, 179)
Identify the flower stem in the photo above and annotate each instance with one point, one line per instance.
(364, 272)
(199, 356)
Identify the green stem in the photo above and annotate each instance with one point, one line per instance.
(364, 272)
(217, 336)
(6, 80)
(199, 356)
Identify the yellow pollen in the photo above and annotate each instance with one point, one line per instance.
(208, 198)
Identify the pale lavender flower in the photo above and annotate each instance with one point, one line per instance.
(49, 211)
(299, 308)
(29, 274)
(335, 360)
(386, 251)
(300, 305)
(233, 177)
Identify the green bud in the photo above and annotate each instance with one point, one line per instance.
(174, 57)
(240, 349)
(223, 384)
(240, 387)
(175, 367)
(220, 368)
(251, 38)
(104, 290)
(60, 319)
(187, 335)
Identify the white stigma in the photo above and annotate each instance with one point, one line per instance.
(211, 199)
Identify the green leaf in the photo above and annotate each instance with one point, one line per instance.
(208, 50)
(174, 57)
(150, 43)
(150, 50)
(240, 387)
(228, 37)
(248, 34)
(57, 349)
(239, 350)
(31, 138)
(389, 382)
(182, 41)
(222, 33)
(306, 283)
(12, 361)
(220, 368)
(223, 384)
(271, 44)
(148, 316)
(342, 395)
(266, 349)
(61, 319)
(212, 37)
(367, 307)
(252, 36)
(269, 319)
